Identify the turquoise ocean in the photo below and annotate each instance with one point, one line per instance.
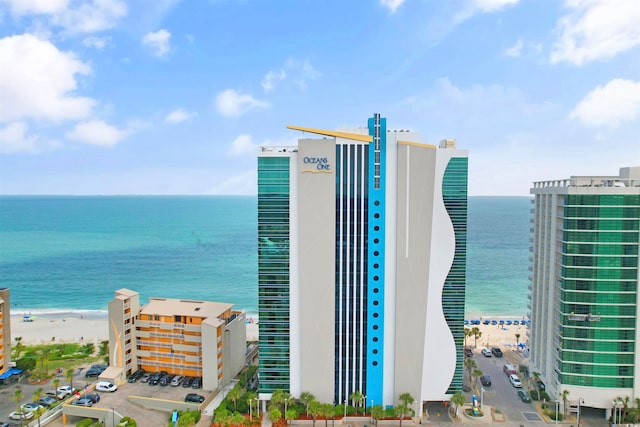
(64, 254)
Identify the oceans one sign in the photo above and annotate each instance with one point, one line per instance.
(317, 164)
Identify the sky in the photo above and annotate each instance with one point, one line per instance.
(102, 97)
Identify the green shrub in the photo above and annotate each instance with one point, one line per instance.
(551, 413)
(84, 423)
(544, 396)
(26, 363)
(127, 422)
(535, 394)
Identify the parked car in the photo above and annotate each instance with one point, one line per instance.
(21, 415)
(136, 375)
(193, 397)
(197, 382)
(155, 378)
(94, 397)
(32, 406)
(515, 381)
(95, 370)
(176, 381)
(106, 386)
(486, 352)
(485, 380)
(46, 401)
(83, 402)
(65, 389)
(145, 377)
(59, 395)
(165, 380)
(468, 352)
(187, 382)
(496, 352)
(524, 396)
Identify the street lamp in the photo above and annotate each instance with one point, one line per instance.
(580, 402)
(557, 410)
(364, 411)
(113, 417)
(286, 399)
(251, 409)
(345, 408)
(482, 390)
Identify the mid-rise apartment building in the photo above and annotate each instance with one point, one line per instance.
(186, 337)
(5, 330)
(362, 265)
(584, 334)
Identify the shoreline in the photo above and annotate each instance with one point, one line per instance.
(66, 326)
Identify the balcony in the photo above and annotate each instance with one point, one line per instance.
(584, 317)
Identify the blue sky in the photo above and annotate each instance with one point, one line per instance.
(174, 97)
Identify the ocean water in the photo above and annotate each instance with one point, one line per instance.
(63, 253)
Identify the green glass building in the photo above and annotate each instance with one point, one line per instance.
(584, 293)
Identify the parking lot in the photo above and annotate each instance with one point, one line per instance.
(116, 401)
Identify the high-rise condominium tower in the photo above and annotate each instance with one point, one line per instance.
(362, 265)
(584, 296)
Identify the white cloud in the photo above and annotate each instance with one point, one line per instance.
(515, 50)
(493, 5)
(91, 16)
(96, 42)
(597, 29)
(14, 138)
(271, 78)
(392, 5)
(178, 116)
(609, 105)
(96, 132)
(242, 145)
(158, 42)
(301, 72)
(38, 81)
(24, 7)
(231, 103)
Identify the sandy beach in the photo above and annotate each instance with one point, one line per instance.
(47, 329)
(497, 335)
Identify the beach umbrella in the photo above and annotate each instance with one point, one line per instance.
(509, 322)
(515, 322)
(494, 322)
(502, 322)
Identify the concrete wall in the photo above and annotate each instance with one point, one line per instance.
(234, 346)
(5, 351)
(316, 234)
(209, 337)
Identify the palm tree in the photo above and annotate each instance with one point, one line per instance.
(307, 398)
(377, 412)
(275, 414)
(250, 396)
(279, 397)
(356, 397)
(403, 411)
(235, 394)
(565, 393)
(70, 373)
(458, 400)
(470, 364)
(291, 414)
(467, 333)
(517, 340)
(44, 359)
(17, 396)
(19, 347)
(315, 409)
(56, 383)
(477, 333)
(406, 399)
(328, 410)
(36, 397)
(477, 373)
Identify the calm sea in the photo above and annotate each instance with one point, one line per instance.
(63, 253)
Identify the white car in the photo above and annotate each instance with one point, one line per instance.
(65, 389)
(486, 352)
(21, 415)
(515, 381)
(106, 386)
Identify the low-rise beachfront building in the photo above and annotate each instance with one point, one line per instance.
(186, 337)
(584, 334)
(362, 266)
(5, 331)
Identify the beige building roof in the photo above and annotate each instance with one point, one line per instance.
(180, 307)
(126, 292)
